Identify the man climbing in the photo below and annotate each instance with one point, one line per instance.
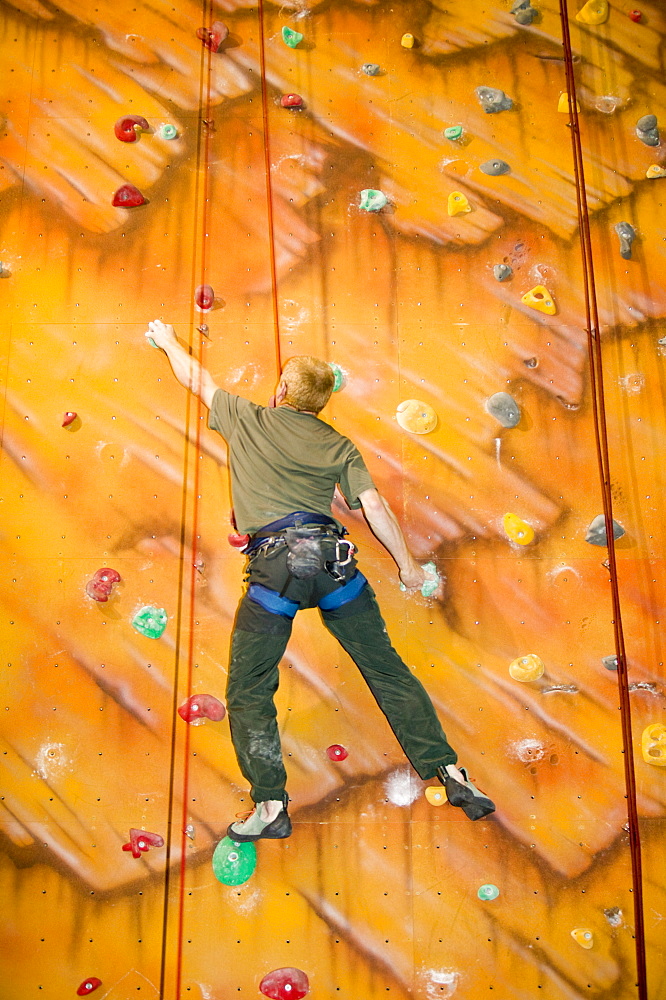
(285, 465)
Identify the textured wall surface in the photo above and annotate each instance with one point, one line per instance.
(375, 894)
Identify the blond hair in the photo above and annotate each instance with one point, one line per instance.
(309, 383)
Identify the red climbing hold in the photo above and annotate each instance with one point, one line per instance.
(336, 752)
(88, 985)
(69, 418)
(141, 840)
(635, 15)
(214, 36)
(285, 984)
(128, 196)
(127, 128)
(291, 101)
(202, 706)
(238, 541)
(204, 297)
(99, 588)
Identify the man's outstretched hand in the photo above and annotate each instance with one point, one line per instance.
(412, 577)
(162, 334)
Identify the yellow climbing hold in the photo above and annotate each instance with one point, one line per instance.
(563, 104)
(653, 744)
(655, 171)
(435, 796)
(583, 936)
(407, 41)
(594, 12)
(458, 203)
(540, 298)
(517, 529)
(527, 668)
(415, 416)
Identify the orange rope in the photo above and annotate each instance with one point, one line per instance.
(269, 187)
(603, 458)
(196, 345)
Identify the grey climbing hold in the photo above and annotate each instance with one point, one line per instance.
(503, 408)
(610, 662)
(493, 100)
(596, 532)
(495, 167)
(370, 69)
(502, 272)
(524, 12)
(647, 131)
(627, 235)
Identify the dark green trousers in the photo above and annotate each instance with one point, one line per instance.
(257, 646)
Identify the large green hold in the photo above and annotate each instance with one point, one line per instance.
(234, 863)
(290, 37)
(150, 621)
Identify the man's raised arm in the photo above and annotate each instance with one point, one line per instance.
(385, 527)
(188, 371)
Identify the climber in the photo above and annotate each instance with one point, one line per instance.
(285, 465)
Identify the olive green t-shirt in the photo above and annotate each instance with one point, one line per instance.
(284, 461)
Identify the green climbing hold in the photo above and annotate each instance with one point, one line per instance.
(234, 863)
(338, 376)
(168, 131)
(453, 132)
(150, 621)
(373, 201)
(291, 38)
(488, 891)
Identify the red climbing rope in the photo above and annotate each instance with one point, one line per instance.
(601, 436)
(179, 765)
(269, 187)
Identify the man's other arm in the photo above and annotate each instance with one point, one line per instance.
(385, 527)
(188, 371)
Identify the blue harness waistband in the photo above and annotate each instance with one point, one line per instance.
(289, 521)
(271, 601)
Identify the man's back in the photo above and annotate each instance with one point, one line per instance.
(283, 460)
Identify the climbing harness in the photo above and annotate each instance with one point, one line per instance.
(313, 544)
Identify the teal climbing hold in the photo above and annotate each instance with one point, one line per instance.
(338, 376)
(167, 131)
(453, 132)
(488, 891)
(372, 201)
(234, 863)
(291, 38)
(150, 621)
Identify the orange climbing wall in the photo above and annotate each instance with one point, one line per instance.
(376, 892)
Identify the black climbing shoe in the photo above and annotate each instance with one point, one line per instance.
(467, 797)
(254, 828)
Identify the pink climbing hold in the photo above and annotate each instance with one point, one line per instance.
(285, 984)
(204, 297)
(128, 196)
(69, 418)
(101, 585)
(128, 127)
(141, 840)
(336, 752)
(88, 985)
(291, 101)
(202, 706)
(214, 36)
